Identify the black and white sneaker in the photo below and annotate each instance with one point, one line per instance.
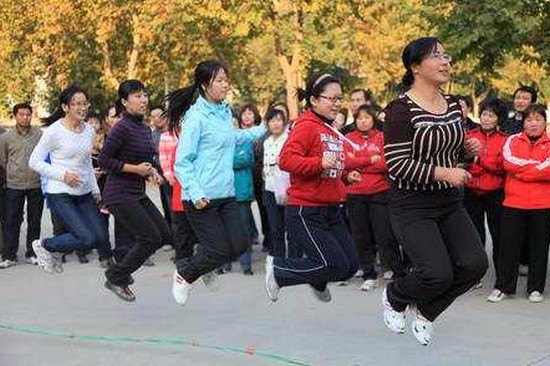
(123, 292)
(323, 296)
(422, 329)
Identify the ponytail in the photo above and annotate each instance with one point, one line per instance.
(55, 116)
(179, 101)
(407, 80)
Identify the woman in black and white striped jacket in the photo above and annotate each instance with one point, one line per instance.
(424, 146)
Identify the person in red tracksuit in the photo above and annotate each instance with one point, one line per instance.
(314, 156)
(367, 200)
(526, 207)
(485, 190)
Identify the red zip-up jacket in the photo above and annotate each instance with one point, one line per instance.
(374, 177)
(527, 166)
(487, 171)
(301, 156)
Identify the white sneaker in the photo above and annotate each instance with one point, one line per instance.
(536, 296)
(369, 285)
(323, 296)
(394, 320)
(388, 275)
(359, 274)
(496, 296)
(44, 257)
(31, 260)
(422, 329)
(271, 286)
(210, 281)
(180, 288)
(6, 263)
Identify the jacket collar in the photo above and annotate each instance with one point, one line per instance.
(215, 108)
(311, 116)
(543, 139)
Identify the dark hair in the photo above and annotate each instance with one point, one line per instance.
(527, 89)
(466, 99)
(105, 112)
(158, 107)
(413, 54)
(180, 100)
(368, 109)
(94, 115)
(254, 109)
(125, 89)
(273, 113)
(274, 105)
(19, 106)
(536, 108)
(367, 94)
(316, 85)
(65, 97)
(495, 105)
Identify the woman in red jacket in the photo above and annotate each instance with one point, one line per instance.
(485, 190)
(526, 207)
(314, 157)
(367, 200)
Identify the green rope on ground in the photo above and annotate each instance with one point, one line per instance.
(152, 340)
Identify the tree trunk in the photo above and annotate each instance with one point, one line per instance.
(136, 45)
(107, 68)
(292, 84)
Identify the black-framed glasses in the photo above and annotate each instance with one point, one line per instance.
(333, 100)
(442, 56)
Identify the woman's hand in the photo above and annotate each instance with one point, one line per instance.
(202, 203)
(154, 177)
(329, 162)
(472, 147)
(72, 179)
(457, 177)
(143, 169)
(354, 177)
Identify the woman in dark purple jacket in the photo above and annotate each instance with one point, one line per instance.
(127, 156)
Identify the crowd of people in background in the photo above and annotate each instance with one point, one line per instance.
(403, 193)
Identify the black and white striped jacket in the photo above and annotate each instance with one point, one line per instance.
(416, 141)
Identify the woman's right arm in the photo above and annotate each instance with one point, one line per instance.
(294, 159)
(186, 155)
(37, 161)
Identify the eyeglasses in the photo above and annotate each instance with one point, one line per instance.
(333, 100)
(442, 56)
(81, 105)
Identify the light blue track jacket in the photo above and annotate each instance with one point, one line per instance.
(204, 161)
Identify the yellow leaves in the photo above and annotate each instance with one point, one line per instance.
(525, 69)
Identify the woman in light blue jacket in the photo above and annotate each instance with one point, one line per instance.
(204, 166)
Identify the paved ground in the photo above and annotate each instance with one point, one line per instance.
(239, 326)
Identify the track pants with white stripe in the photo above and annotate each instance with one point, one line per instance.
(329, 253)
